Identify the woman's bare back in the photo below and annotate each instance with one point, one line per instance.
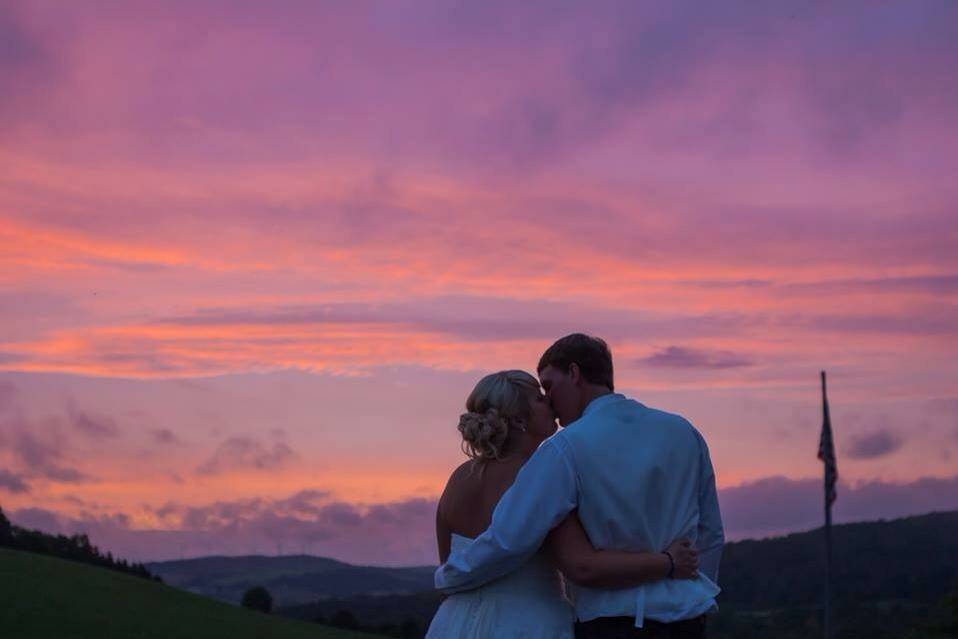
(470, 497)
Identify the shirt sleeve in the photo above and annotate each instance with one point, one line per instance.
(711, 535)
(543, 493)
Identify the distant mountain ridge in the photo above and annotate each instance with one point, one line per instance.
(291, 579)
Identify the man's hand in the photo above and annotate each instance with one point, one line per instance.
(685, 559)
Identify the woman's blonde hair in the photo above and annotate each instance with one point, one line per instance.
(498, 403)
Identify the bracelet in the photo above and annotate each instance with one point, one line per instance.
(671, 564)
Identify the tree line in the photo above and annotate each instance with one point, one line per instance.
(74, 547)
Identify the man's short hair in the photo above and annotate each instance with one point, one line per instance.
(592, 355)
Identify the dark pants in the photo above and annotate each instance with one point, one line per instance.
(624, 628)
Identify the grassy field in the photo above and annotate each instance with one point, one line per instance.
(44, 597)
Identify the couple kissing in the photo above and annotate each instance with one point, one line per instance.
(608, 527)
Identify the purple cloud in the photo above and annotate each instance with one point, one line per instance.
(221, 514)
(875, 444)
(935, 319)
(38, 448)
(943, 405)
(44, 458)
(243, 452)
(164, 436)
(575, 92)
(401, 532)
(682, 357)
(341, 514)
(394, 533)
(23, 60)
(38, 519)
(16, 46)
(396, 513)
(13, 483)
(728, 284)
(945, 284)
(33, 451)
(7, 395)
(306, 502)
(100, 427)
(65, 474)
(778, 505)
(11, 358)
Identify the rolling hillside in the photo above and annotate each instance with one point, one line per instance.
(893, 580)
(292, 580)
(46, 597)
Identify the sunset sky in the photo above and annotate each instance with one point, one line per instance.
(254, 256)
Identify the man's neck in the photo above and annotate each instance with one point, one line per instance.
(593, 392)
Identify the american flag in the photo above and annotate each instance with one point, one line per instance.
(826, 451)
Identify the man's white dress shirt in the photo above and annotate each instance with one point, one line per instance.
(641, 478)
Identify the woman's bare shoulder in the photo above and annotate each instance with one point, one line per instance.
(473, 479)
(460, 478)
(465, 470)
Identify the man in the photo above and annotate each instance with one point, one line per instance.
(639, 477)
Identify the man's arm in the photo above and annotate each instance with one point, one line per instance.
(543, 493)
(711, 535)
(584, 565)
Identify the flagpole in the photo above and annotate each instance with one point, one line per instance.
(828, 570)
(828, 530)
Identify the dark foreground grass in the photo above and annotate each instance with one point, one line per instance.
(44, 597)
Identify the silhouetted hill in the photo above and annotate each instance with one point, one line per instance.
(47, 597)
(75, 548)
(290, 579)
(891, 580)
(898, 559)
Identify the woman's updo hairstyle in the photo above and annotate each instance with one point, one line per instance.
(498, 403)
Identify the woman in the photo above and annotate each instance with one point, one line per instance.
(508, 417)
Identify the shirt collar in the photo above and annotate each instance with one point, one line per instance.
(601, 401)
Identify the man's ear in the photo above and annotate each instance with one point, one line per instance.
(574, 373)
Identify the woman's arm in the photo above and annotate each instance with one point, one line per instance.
(443, 537)
(443, 534)
(579, 561)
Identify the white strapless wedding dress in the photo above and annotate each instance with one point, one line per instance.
(528, 603)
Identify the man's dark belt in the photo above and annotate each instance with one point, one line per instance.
(624, 628)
